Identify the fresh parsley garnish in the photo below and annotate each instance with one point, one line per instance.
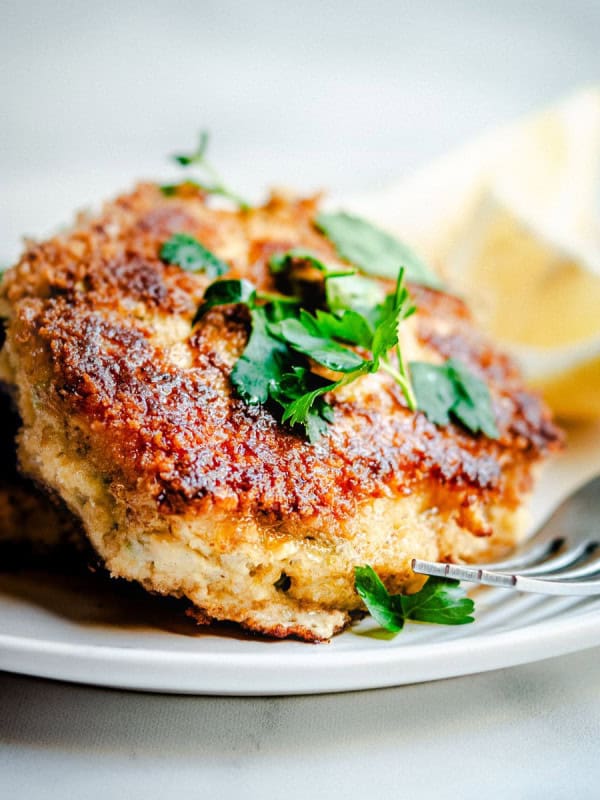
(355, 336)
(258, 373)
(284, 338)
(259, 370)
(198, 156)
(209, 180)
(353, 292)
(315, 337)
(300, 395)
(441, 601)
(189, 254)
(226, 292)
(304, 336)
(373, 250)
(347, 326)
(275, 367)
(282, 262)
(452, 390)
(297, 256)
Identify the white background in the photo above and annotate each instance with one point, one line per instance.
(341, 95)
(345, 95)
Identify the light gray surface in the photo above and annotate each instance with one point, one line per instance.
(347, 95)
(528, 732)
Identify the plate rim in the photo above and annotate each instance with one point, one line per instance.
(314, 670)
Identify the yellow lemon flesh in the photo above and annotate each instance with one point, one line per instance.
(513, 221)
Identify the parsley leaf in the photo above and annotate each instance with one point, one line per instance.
(214, 184)
(258, 373)
(275, 368)
(223, 293)
(434, 391)
(298, 335)
(313, 336)
(386, 609)
(283, 262)
(373, 250)
(473, 406)
(198, 156)
(258, 370)
(300, 393)
(397, 307)
(451, 389)
(440, 601)
(189, 254)
(353, 292)
(297, 256)
(349, 326)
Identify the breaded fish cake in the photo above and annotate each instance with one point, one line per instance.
(130, 416)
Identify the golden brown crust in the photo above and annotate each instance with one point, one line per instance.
(300, 632)
(86, 301)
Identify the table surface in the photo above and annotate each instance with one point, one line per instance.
(350, 95)
(526, 732)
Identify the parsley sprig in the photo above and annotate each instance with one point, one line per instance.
(275, 365)
(285, 262)
(316, 336)
(451, 390)
(373, 250)
(190, 254)
(441, 600)
(208, 180)
(354, 340)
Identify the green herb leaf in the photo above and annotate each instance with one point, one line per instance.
(473, 406)
(353, 292)
(223, 293)
(349, 326)
(214, 184)
(171, 189)
(198, 156)
(258, 371)
(274, 365)
(434, 391)
(373, 250)
(385, 608)
(189, 254)
(282, 262)
(297, 334)
(300, 393)
(441, 601)
(314, 336)
(451, 389)
(397, 307)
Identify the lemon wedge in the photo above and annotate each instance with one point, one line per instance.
(513, 220)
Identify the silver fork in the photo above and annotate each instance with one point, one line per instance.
(560, 558)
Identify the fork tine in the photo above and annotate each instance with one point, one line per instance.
(587, 570)
(557, 586)
(532, 554)
(550, 585)
(461, 573)
(572, 521)
(559, 562)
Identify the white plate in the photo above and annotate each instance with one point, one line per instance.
(67, 631)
